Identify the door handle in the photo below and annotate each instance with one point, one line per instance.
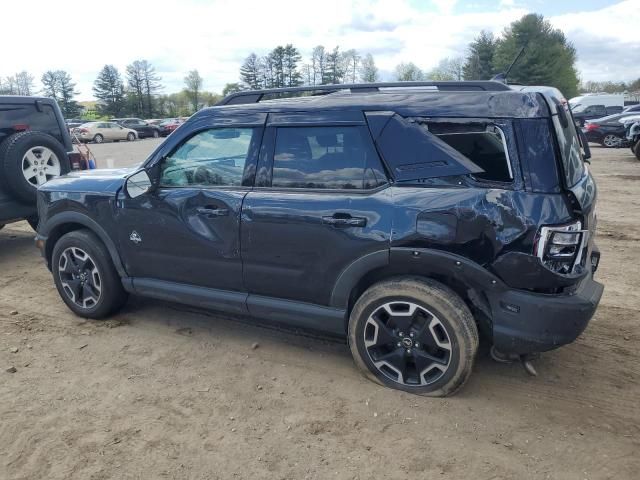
(345, 221)
(212, 212)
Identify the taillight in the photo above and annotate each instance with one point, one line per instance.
(77, 161)
(21, 127)
(560, 247)
(592, 126)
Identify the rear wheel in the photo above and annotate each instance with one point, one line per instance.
(415, 335)
(98, 138)
(85, 276)
(156, 134)
(611, 141)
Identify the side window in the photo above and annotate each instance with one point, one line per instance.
(214, 157)
(326, 158)
(483, 144)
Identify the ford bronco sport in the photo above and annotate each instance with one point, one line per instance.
(34, 148)
(409, 218)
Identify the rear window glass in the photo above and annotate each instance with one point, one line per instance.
(482, 143)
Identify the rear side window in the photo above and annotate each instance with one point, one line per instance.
(487, 149)
(569, 145)
(325, 158)
(483, 143)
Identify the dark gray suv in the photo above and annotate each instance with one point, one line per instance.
(410, 218)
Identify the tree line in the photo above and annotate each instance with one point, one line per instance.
(549, 59)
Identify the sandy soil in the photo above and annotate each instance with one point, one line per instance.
(161, 391)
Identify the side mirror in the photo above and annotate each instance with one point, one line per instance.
(138, 184)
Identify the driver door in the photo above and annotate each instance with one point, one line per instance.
(187, 230)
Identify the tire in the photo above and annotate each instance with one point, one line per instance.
(611, 141)
(636, 149)
(1, 226)
(156, 134)
(439, 337)
(93, 289)
(28, 160)
(98, 138)
(131, 137)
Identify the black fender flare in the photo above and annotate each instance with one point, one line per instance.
(412, 261)
(80, 218)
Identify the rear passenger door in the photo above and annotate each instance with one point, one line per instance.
(320, 203)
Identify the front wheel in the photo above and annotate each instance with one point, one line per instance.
(156, 134)
(413, 334)
(98, 138)
(85, 276)
(131, 137)
(611, 141)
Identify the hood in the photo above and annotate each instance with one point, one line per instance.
(90, 181)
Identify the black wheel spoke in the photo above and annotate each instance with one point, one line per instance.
(76, 288)
(89, 292)
(379, 334)
(407, 344)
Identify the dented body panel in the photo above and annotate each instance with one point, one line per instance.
(303, 255)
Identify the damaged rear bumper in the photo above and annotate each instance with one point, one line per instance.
(525, 322)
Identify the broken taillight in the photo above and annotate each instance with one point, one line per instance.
(559, 247)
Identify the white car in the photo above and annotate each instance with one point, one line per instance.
(98, 132)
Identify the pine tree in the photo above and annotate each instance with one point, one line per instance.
(291, 59)
(549, 59)
(143, 85)
(59, 86)
(479, 63)
(250, 73)
(109, 89)
(335, 70)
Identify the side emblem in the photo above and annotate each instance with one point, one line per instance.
(135, 238)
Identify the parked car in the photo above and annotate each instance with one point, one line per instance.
(632, 134)
(99, 132)
(609, 131)
(34, 148)
(583, 113)
(169, 125)
(142, 128)
(154, 121)
(606, 99)
(74, 122)
(409, 221)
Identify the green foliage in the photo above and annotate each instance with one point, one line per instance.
(479, 63)
(109, 89)
(57, 84)
(193, 82)
(368, 70)
(408, 72)
(447, 70)
(230, 88)
(142, 86)
(549, 59)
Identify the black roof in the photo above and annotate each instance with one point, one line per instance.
(406, 102)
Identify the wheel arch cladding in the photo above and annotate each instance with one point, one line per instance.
(467, 279)
(66, 222)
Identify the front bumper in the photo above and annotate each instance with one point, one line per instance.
(525, 322)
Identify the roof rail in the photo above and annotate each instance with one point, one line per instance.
(255, 96)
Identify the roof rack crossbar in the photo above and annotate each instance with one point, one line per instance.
(255, 96)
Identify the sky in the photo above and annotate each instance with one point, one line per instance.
(214, 36)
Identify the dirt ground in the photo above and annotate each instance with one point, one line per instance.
(161, 391)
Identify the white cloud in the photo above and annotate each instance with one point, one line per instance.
(215, 36)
